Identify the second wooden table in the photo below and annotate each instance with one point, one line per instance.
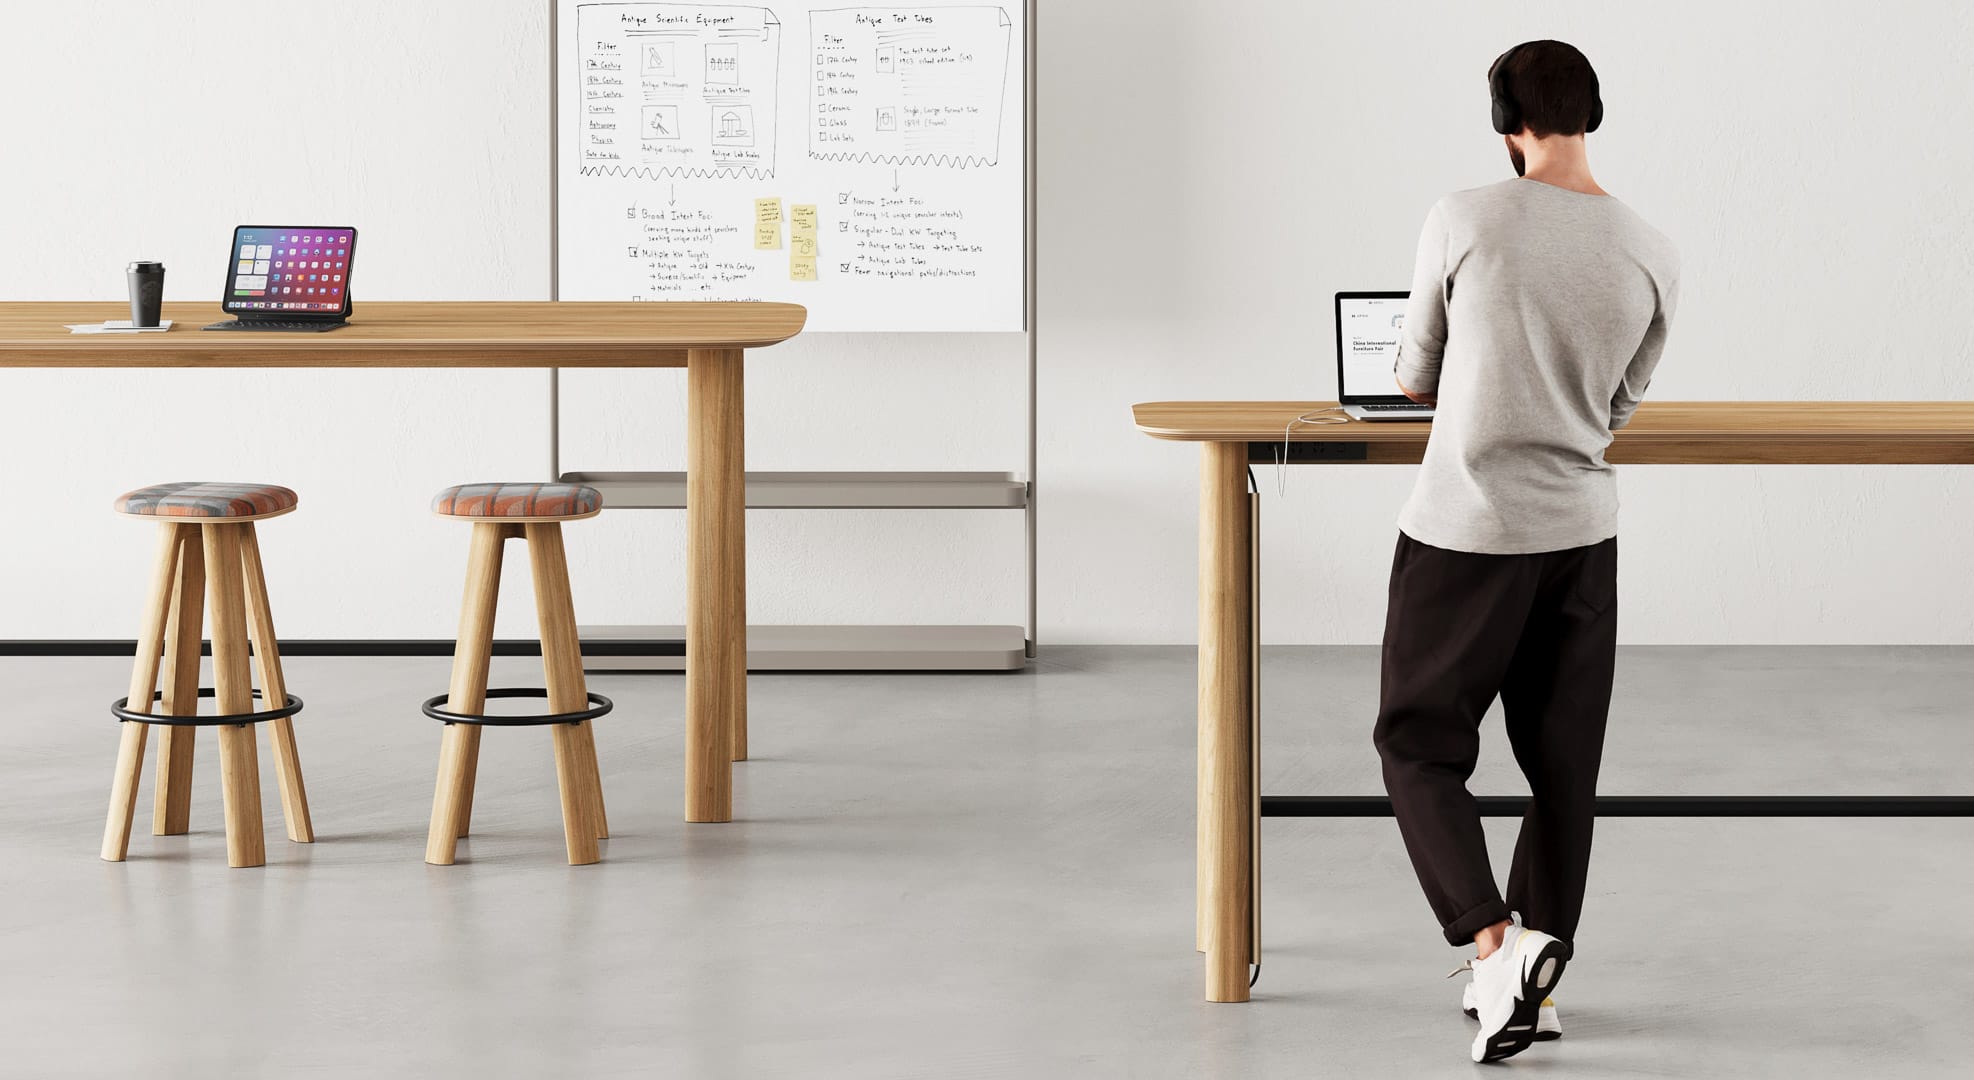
(1235, 435)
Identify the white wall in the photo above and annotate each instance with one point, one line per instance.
(428, 131)
(1210, 173)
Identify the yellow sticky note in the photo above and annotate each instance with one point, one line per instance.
(802, 219)
(767, 237)
(767, 211)
(802, 246)
(802, 268)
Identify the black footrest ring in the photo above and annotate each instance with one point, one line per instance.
(122, 711)
(599, 706)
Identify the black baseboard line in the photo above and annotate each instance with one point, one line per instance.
(1656, 806)
(1272, 806)
(354, 647)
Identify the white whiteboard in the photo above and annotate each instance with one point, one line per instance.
(867, 162)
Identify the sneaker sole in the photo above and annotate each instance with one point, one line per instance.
(1519, 1032)
(1540, 1036)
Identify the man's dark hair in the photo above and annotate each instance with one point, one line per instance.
(1552, 84)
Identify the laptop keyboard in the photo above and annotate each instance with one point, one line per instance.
(276, 324)
(1395, 408)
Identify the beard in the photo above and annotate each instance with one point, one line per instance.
(1516, 158)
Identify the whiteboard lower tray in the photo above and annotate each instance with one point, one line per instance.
(819, 648)
(821, 490)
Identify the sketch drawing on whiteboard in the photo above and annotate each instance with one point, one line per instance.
(661, 121)
(645, 115)
(733, 125)
(661, 58)
(723, 65)
(933, 95)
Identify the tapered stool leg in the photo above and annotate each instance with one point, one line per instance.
(471, 658)
(123, 791)
(274, 691)
(562, 665)
(469, 774)
(469, 735)
(171, 810)
(579, 813)
(442, 837)
(143, 683)
(239, 762)
(587, 731)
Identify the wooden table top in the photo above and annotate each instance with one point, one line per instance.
(1661, 432)
(403, 334)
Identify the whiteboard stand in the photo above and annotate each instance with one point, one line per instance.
(830, 648)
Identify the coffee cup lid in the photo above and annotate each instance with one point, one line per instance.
(145, 267)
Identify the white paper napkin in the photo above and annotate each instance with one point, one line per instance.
(118, 326)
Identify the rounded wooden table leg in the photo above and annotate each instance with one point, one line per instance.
(171, 810)
(471, 657)
(1226, 685)
(716, 555)
(1200, 844)
(274, 692)
(143, 683)
(239, 763)
(737, 672)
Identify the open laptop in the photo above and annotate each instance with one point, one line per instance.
(1368, 328)
(288, 277)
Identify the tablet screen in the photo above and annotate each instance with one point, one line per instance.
(294, 269)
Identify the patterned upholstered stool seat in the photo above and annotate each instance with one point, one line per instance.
(518, 502)
(208, 501)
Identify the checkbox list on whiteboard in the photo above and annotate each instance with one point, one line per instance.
(902, 143)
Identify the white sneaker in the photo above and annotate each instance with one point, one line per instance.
(1547, 1026)
(1509, 988)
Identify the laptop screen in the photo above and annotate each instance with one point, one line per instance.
(1368, 328)
(289, 269)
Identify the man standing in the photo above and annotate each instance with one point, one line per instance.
(1539, 309)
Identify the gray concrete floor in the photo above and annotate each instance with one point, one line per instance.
(979, 876)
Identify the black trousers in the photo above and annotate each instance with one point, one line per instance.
(1540, 631)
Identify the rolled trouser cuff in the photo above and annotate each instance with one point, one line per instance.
(1461, 931)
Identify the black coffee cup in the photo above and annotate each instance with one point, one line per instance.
(146, 293)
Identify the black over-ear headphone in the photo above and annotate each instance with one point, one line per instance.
(1508, 112)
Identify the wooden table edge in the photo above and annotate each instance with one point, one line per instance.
(1415, 431)
(378, 355)
(373, 339)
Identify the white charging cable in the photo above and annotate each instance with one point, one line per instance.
(1332, 415)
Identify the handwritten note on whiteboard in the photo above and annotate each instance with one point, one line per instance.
(909, 85)
(869, 163)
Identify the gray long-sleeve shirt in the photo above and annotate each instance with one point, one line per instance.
(1537, 314)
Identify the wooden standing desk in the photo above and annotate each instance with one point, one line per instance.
(1236, 434)
(708, 340)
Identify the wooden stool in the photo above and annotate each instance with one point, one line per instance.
(207, 545)
(534, 512)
